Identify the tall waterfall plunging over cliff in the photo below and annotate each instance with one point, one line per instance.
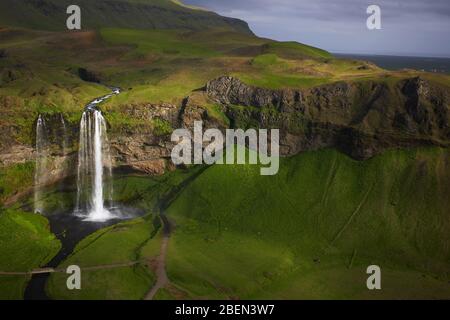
(40, 174)
(94, 177)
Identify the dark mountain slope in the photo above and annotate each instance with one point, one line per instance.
(135, 14)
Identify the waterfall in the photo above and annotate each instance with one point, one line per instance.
(64, 135)
(94, 183)
(40, 173)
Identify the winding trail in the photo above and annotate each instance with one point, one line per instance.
(161, 275)
(162, 280)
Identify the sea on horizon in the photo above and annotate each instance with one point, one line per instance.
(429, 64)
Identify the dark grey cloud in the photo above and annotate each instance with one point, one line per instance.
(414, 27)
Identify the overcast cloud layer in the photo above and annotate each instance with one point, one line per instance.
(409, 27)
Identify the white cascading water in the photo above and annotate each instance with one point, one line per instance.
(93, 181)
(40, 172)
(64, 135)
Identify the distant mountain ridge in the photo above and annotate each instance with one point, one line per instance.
(134, 14)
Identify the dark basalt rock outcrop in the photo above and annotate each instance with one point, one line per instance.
(362, 118)
(144, 149)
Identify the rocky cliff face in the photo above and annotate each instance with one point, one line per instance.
(361, 119)
(148, 150)
(145, 150)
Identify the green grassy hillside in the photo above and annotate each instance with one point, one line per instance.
(312, 230)
(136, 14)
(39, 70)
(308, 232)
(26, 243)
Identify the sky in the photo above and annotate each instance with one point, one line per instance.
(408, 27)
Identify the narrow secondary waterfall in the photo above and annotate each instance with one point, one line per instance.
(94, 179)
(40, 173)
(64, 135)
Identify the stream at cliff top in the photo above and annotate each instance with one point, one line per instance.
(94, 208)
